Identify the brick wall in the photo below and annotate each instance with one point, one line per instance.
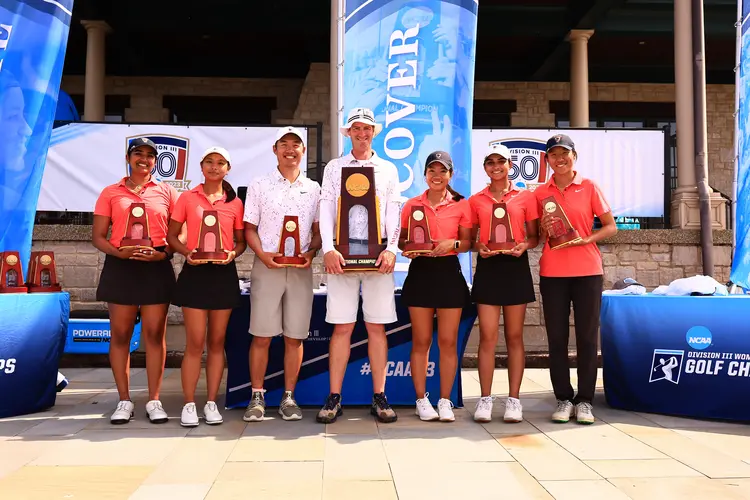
(653, 257)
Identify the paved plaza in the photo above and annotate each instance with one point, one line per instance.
(72, 452)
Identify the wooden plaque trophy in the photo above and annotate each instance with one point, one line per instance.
(11, 273)
(418, 240)
(210, 248)
(290, 229)
(42, 276)
(501, 231)
(358, 188)
(562, 232)
(136, 227)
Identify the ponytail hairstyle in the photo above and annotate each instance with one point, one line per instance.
(456, 195)
(228, 191)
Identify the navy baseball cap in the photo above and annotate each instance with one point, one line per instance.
(441, 157)
(141, 141)
(561, 140)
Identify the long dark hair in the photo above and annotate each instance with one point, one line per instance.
(228, 191)
(456, 195)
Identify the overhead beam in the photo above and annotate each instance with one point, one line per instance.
(585, 15)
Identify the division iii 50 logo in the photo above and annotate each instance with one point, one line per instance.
(529, 169)
(171, 162)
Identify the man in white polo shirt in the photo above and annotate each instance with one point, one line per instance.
(280, 297)
(378, 301)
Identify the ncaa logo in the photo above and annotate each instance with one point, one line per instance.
(529, 168)
(171, 161)
(699, 337)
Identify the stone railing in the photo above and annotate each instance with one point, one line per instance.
(653, 257)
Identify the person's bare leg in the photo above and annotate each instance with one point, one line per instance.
(154, 329)
(259, 361)
(121, 323)
(339, 350)
(448, 321)
(514, 319)
(292, 362)
(421, 340)
(489, 321)
(195, 332)
(217, 332)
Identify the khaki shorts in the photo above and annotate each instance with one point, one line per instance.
(378, 299)
(280, 301)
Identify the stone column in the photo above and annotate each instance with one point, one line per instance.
(685, 211)
(579, 77)
(96, 32)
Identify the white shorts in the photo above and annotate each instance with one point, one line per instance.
(378, 298)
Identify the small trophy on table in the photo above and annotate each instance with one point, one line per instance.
(42, 274)
(136, 227)
(11, 274)
(562, 233)
(418, 240)
(501, 231)
(290, 229)
(358, 188)
(210, 248)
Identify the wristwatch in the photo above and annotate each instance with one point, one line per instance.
(456, 244)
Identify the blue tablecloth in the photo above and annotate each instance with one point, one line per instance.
(32, 337)
(313, 385)
(687, 356)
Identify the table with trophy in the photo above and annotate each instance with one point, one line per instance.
(34, 314)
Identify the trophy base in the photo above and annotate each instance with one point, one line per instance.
(14, 289)
(131, 243)
(208, 257)
(565, 240)
(44, 289)
(290, 261)
(360, 263)
(504, 247)
(417, 248)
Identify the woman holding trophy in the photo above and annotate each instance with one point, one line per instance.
(505, 219)
(208, 286)
(435, 228)
(137, 277)
(571, 271)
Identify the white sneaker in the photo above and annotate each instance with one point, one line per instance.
(513, 411)
(483, 411)
(211, 414)
(445, 411)
(123, 413)
(425, 411)
(189, 417)
(565, 410)
(156, 413)
(584, 413)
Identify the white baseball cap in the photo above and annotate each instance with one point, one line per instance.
(289, 130)
(361, 115)
(216, 149)
(498, 149)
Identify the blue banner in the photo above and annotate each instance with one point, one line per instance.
(412, 63)
(741, 261)
(33, 37)
(659, 353)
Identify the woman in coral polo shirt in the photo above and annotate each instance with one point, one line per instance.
(571, 273)
(434, 282)
(137, 276)
(502, 280)
(207, 291)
